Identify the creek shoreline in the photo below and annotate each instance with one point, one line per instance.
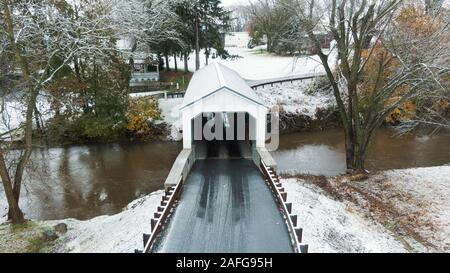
(388, 212)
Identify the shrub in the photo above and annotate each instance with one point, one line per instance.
(142, 112)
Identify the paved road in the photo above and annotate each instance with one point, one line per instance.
(225, 207)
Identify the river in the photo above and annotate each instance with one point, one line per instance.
(91, 180)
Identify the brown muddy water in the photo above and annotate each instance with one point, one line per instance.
(323, 153)
(86, 181)
(91, 180)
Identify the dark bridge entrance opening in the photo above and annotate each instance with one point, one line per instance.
(223, 135)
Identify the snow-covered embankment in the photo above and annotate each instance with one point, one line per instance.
(392, 211)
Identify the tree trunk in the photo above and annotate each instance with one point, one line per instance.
(14, 213)
(36, 119)
(186, 66)
(269, 44)
(176, 63)
(166, 57)
(197, 43)
(207, 56)
(349, 151)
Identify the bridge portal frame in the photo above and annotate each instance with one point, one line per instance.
(225, 101)
(217, 88)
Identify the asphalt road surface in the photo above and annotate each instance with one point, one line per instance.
(225, 207)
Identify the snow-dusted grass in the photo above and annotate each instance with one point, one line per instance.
(422, 198)
(293, 99)
(330, 226)
(256, 63)
(237, 39)
(117, 233)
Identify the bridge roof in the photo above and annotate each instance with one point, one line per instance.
(214, 78)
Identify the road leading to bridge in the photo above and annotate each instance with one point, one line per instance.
(225, 207)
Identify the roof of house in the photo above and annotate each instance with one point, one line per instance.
(126, 44)
(214, 78)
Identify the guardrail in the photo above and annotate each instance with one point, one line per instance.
(262, 83)
(162, 214)
(172, 194)
(163, 94)
(286, 208)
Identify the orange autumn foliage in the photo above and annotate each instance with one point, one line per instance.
(141, 112)
(381, 65)
(416, 22)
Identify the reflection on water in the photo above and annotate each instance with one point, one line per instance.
(86, 181)
(322, 153)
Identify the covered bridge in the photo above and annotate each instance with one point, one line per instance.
(217, 89)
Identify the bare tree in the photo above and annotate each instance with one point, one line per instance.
(45, 37)
(359, 28)
(422, 35)
(271, 18)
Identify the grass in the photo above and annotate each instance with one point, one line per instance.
(259, 51)
(180, 77)
(37, 244)
(17, 228)
(24, 238)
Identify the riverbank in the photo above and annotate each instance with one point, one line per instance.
(121, 232)
(302, 106)
(392, 211)
(409, 206)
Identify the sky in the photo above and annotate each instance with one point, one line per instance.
(227, 3)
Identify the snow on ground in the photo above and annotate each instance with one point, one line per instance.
(146, 94)
(257, 64)
(291, 97)
(329, 226)
(170, 109)
(120, 233)
(14, 113)
(237, 39)
(422, 198)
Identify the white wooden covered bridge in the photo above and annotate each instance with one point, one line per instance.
(218, 89)
(225, 204)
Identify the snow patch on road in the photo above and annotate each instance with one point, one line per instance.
(330, 226)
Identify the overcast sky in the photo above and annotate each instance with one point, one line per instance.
(232, 2)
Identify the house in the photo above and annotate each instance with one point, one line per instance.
(145, 68)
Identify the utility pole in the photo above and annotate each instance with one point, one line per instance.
(197, 41)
